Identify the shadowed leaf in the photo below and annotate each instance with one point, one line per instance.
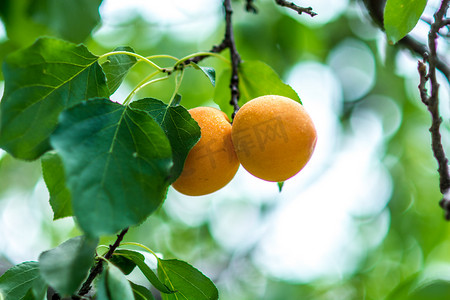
(65, 267)
(40, 82)
(117, 162)
(21, 281)
(181, 129)
(117, 67)
(55, 179)
(188, 282)
(113, 285)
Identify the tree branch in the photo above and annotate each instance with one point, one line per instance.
(234, 55)
(376, 10)
(98, 268)
(228, 42)
(298, 9)
(422, 50)
(432, 103)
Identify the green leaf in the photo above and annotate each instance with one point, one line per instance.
(138, 259)
(141, 293)
(176, 100)
(40, 82)
(209, 72)
(70, 20)
(26, 20)
(6, 47)
(65, 267)
(401, 16)
(20, 281)
(117, 162)
(188, 282)
(29, 295)
(117, 67)
(255, 79)
(55, 179)
(181, 129)
(113, 285)
(20, 27)
(122, 260)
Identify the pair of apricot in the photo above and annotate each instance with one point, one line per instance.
(272, 137)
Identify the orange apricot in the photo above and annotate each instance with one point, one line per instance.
(274, 137)
(212, 162)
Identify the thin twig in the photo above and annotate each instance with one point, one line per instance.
(98, 268)
(228, 42)
(431, 100)
(298, 9)
(215, 49)
(376, 11)
(422, 50)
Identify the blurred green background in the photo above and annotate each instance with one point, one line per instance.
(361, 221)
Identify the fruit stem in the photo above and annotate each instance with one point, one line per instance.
(178, 80)
(141, 246)
(163, 56)
(141, 84)
(140, 57)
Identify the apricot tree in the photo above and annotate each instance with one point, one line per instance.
(109, 165)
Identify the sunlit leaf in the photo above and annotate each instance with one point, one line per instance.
(401, 16)
(181, 129)
(117, 67)
(55, 179)
(65, 267)
(20, 280)
(209, 72)
(40, 82)
(188, 282)
(255, 79)
(117, 162)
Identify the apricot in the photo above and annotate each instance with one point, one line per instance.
(274, 137)
(212, 162)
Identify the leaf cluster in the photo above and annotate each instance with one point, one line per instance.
(107, 164)
(65, 267)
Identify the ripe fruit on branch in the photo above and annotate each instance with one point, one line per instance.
(212, 162)
(274, 137)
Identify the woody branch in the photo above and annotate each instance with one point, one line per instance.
(431, 100)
